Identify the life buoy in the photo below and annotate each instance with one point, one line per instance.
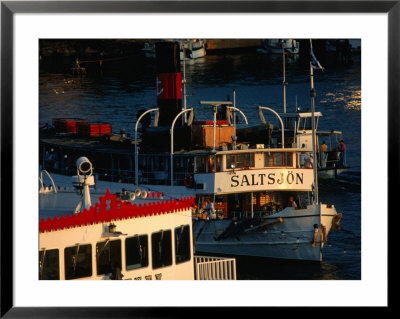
(188, 181)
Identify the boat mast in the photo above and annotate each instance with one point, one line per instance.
(184, 79)
(234, 111)
(312, 93)
(284, 81)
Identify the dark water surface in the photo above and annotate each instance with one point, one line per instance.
(116, 92)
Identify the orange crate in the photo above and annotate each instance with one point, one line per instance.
(94, 129)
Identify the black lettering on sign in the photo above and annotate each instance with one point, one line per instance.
(261, 176)
(234, 179)
(245, 180)
(299, 178)
(271, 178)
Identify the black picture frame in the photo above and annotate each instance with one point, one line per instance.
(9, 8)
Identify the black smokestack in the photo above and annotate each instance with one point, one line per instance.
(169, 82)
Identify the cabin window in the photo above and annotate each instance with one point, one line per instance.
(218, 163)
(278, 159)
(49, 264)
(182, 244)
(240, 160)
(269, 159)
(289, 159)
(161, 248)
(290, 123)
(136, 251)
(306, 123)
(108, 256)
(78, 261)
(200, 164)
(205, 164)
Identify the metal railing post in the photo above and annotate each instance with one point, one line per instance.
(136, 148)
(280, 120)
(172, 143)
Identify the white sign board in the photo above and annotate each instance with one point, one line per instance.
(263, 180)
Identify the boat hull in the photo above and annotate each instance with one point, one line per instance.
(290, 234)
(195, 54)
(265, 250)
(331, 172)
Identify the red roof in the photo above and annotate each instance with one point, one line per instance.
(110, 208)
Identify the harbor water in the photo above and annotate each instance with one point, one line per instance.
(115, 91)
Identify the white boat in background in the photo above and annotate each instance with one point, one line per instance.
(193, 49)
(190, 49)
(276, 46)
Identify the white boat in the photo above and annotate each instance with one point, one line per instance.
(276, 46)
(193, 49)
(122, 236)
(249, 184)
(189, 49)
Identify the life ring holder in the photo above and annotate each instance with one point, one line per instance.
(188, 181)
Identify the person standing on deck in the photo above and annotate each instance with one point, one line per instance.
(309, 162)
(210, 209)
(323, 154)
(303, 156)
(342, 148)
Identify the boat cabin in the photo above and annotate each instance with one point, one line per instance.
(119, 240)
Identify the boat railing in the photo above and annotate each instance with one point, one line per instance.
(256, 213)
(43, 189)
(331, 159)
(214, 268)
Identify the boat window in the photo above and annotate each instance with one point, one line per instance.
(108, 256)
(78, 261)
(136, 251)
(218, 163)
(49, 267)
(289, 159)
(278, 159)
(305, 123)
(182, 244)
(205, 164)
(240, 160)
(200, 164)
(269, 159)
(290, 122)
(161, 248)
